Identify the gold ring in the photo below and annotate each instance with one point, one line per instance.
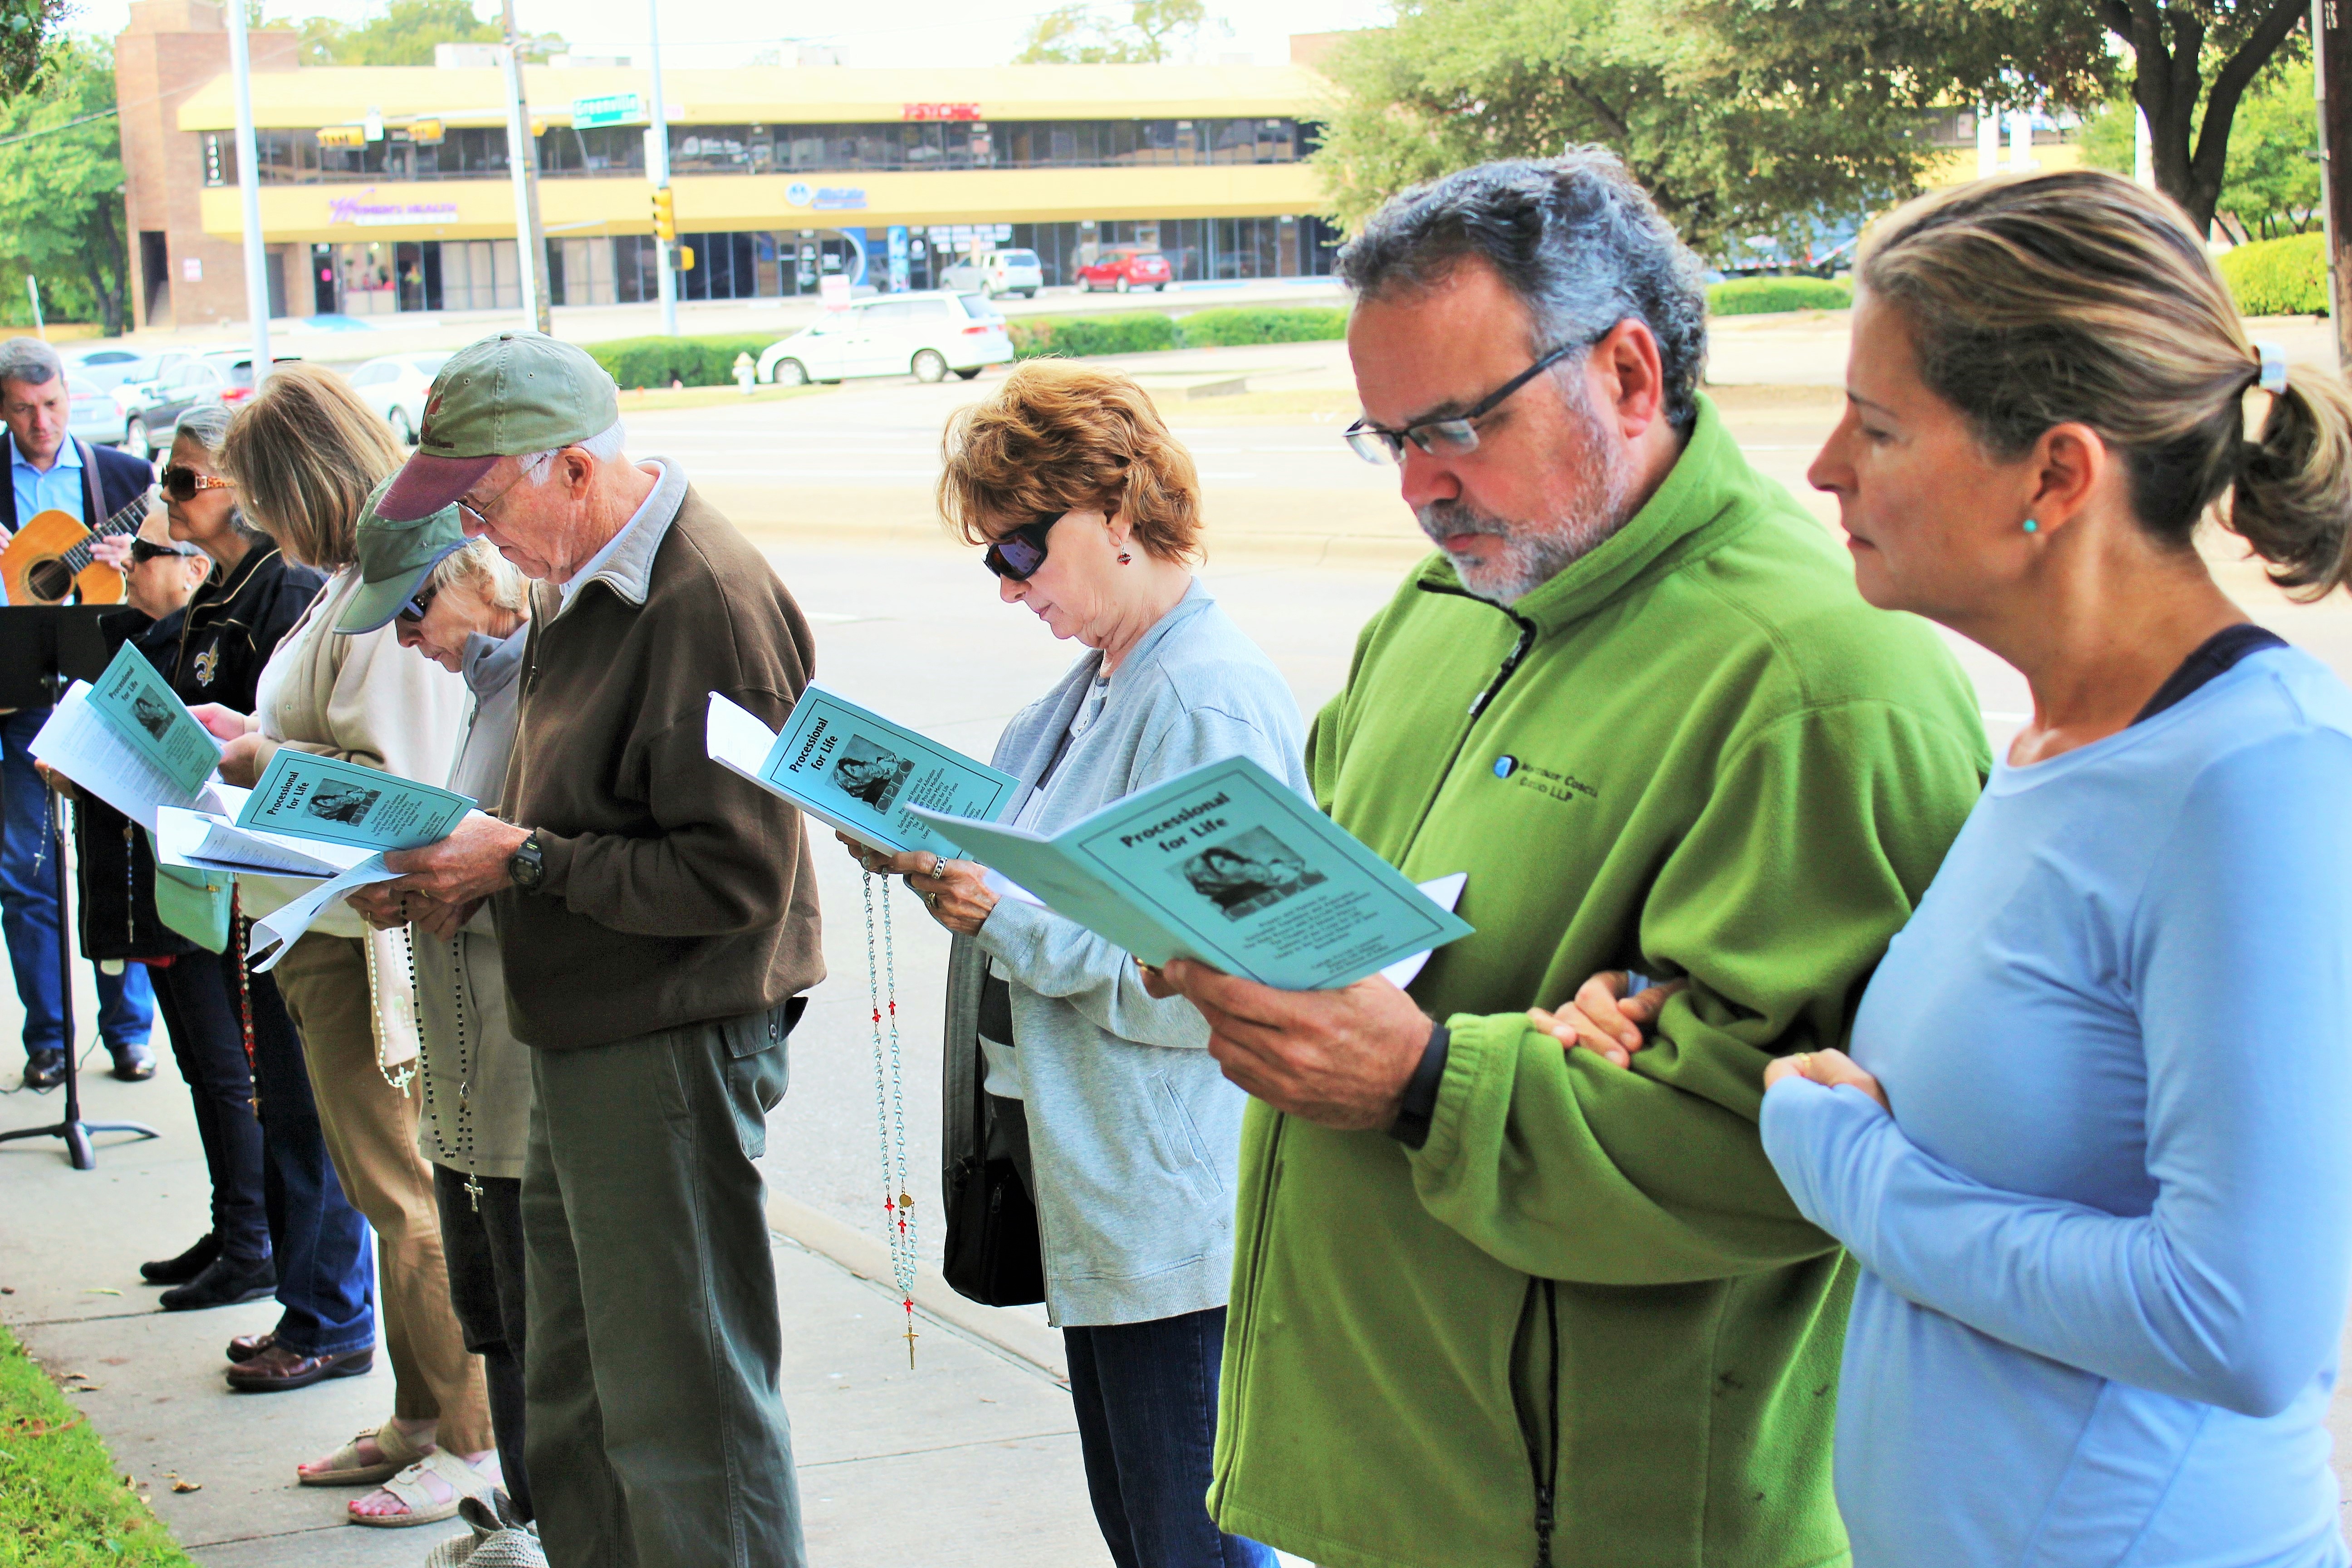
(933, 899)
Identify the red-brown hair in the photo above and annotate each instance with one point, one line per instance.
(1057, 436)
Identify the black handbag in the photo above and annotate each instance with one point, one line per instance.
(115, 915)
(993, 1252)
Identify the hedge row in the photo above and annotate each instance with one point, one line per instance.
(1765, 295)
(1114, 332)
(696, 362)
(710, 361)
(2279, 276)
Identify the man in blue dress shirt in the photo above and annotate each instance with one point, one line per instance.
(49, 471)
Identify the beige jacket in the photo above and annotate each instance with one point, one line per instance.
(365, 699)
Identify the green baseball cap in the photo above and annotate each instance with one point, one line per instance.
(508, 394)
(395, 557)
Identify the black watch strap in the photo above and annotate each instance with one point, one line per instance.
(1412, 1126)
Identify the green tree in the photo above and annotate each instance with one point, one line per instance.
(2270, 185)
(1739, 122)
(61, 177)
(26, 29)
(403, 33)
(1154, 31)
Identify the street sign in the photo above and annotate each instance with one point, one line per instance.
(614, 109)
(342, 135)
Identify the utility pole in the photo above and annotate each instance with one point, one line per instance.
(658, 170)
(248, 183)
(523, 158)
(2331, 47)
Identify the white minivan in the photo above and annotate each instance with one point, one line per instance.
(925, 335)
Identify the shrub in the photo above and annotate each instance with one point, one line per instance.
(1116, 333)
(1239, 324)
(2279, 276)
(1763, 296)
(696, 362)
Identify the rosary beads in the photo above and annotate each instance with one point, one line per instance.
(890, 1111)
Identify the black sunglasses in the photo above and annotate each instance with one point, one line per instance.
(419, 602)
(143, 552)
(182, 484)
(1018, 555)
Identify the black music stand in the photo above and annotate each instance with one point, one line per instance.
(44, 648)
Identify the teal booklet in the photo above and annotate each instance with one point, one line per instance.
(1226, 865)
(849, 767)
(305, 795)
(140, 707)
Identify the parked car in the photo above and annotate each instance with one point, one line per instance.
(150, 408)
(102, 368)
(998, 272)
(1124, 267)
(90, 413)
(924, 334)
(397, 386)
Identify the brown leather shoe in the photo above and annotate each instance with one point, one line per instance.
(245, 1347)
(277, 1369)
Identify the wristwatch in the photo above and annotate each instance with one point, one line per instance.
(527, 865)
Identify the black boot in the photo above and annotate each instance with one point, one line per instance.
(187, 1266)
(224, 1283)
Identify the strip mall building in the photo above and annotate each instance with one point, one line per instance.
(387, 189)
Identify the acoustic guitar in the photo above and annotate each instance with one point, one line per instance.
(50, 557)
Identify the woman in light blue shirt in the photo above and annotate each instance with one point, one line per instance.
(2093, 1149)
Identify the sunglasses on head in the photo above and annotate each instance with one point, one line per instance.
(182, 484)
(1017, 555)
(143, 552)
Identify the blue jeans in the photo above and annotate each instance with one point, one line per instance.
(1147, 1402)
(28, 908)
(326, 1268)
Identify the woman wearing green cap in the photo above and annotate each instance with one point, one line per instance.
(461, 606)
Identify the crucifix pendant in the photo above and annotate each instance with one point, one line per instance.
(911, 1336)
(474, 1191)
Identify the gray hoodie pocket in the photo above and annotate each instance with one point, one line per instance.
(1181, 1148)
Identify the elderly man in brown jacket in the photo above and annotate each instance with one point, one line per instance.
(659, 920)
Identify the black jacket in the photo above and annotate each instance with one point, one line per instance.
(233, 625)
(118, 478)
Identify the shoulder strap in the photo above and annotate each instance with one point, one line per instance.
(93, 492)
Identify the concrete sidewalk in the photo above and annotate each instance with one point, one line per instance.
(976, 1445)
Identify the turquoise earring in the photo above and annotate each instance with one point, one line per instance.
(2031, 526)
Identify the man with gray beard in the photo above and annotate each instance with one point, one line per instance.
(1497, 1300)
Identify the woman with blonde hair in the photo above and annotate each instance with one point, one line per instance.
(2089, 1145)
(1125, 1134)
(304, 455)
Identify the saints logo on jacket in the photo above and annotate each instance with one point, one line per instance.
(207, 664)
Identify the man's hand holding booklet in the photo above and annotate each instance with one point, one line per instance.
(1223, 864)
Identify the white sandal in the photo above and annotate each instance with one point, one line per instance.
(350, 1470)
(422, 1506)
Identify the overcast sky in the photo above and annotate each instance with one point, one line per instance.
(905, 32)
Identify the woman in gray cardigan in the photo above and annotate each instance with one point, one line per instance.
(1088, 510)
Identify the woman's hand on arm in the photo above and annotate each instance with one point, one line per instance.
(1830, 1069)
(954, 891)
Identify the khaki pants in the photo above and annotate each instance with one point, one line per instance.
(371, 1132)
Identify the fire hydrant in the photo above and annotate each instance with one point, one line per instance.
(745, 372)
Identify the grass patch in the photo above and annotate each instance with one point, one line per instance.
(635, 401)
(61, 1503)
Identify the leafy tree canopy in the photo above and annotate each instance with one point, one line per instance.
(1741, 116)
(26, 29)
(2270, 185)
(62, 185)
(403, 33)
(1154, 31)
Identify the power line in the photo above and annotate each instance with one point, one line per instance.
(53, 130)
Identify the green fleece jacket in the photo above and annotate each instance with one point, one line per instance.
(1711, 759)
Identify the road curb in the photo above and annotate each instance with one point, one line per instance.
(1016, 1334)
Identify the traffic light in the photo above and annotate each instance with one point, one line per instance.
(686, 258)
(665, 215)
